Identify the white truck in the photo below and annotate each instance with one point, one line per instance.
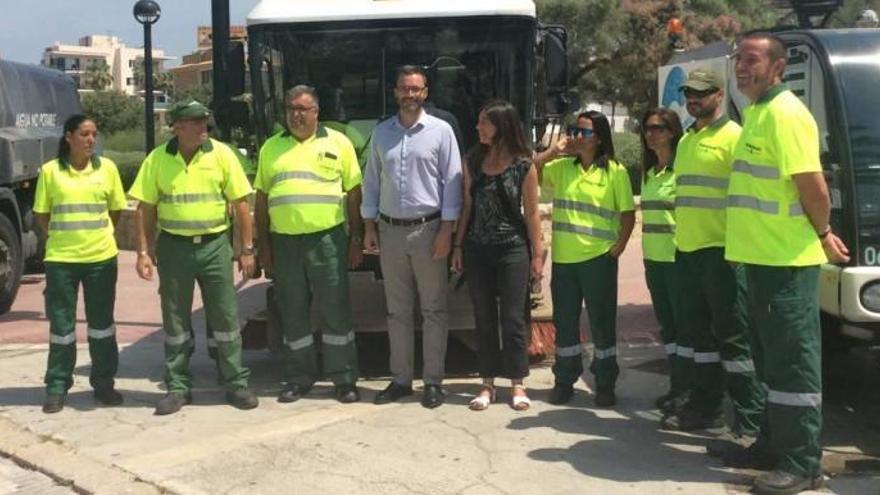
(835, 73)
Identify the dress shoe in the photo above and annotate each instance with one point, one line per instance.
(783, 483)
(53, 403)
(109, 397)
(293, 392)
(560, 394)
(242, 398)
(392, 392)
(432, 396)
(347, 394)
(172, 402)
(605, 397)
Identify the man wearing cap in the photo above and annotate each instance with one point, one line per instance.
(778, 211)
(304, 173)
(185, 184)
(714, 306)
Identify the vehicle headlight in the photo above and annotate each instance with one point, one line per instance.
(871, 297)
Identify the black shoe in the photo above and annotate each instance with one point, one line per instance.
(753, 457)
(727, 443)
(242, 398)
(782, 483)
(605, 397)
(109, 397)
(663, 399)
(689, 419)
(392, 393)
(293, 392)
(53, 403)
(347, 394)
(432, 396)
(560, 394)
(172, 402)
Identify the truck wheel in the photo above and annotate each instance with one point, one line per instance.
(11, 264)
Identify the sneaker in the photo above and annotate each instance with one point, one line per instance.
(242, 398)
(172, 402)
(53, 403)
(560, 394)
(108, 397)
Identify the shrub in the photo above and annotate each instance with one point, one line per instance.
(128, 163)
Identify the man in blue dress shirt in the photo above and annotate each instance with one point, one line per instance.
(411, 199)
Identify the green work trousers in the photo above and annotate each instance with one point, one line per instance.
(665, 285)
(788, 355)
(314, 266)
(181, 262)
(594, 283)
(99, 292)
(716, 321)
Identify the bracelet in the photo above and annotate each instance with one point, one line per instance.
(143, 253)
(825, 233)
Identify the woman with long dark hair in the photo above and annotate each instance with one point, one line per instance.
(660, 133)
(78, 200)
(498, 244)
(593, 217)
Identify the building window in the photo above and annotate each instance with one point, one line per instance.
(206, 77)
(129, 81)
(131, 63)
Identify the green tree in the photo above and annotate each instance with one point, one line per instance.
(97, 76)
(114, 111)
(203, 93)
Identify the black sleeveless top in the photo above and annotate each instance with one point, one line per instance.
(496, 206)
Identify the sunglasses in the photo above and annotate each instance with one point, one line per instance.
(655, 127)
(578, 132)
(693, 93)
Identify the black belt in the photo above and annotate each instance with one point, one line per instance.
(195, 239)
(409, 222)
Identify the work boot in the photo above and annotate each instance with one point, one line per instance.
(690, 419)
(605, 397)
(783, 483)
(728, 442)
(293, 392)
(560, 394)
(242, 398)
(753, 457)
(53, 403)
(172, 402)
(671, 403)
(347, 394)
(108, 397)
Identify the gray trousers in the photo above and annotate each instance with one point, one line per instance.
(408, 269)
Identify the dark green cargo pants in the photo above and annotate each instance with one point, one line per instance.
(99, 292)
(665, 285)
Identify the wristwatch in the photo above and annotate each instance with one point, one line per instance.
(248, 250)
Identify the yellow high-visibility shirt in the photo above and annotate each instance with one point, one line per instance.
(658, 215)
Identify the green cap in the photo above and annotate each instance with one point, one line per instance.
(189, 109)
(702, 79)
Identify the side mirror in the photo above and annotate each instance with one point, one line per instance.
(235, 68)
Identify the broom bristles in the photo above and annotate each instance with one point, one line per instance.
(543, 341)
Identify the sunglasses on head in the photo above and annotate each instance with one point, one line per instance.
(693, 93)
(576, 132)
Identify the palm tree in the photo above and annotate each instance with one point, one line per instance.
(97, 76)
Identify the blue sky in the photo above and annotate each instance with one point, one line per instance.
(27, 27)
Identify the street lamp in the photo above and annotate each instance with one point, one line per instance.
(147, 13)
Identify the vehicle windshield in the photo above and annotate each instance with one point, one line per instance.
(352, 66)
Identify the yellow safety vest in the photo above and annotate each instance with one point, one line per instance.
(191, 199)
(305, 181)
(703, 161)
(658, 215)
(766, 224)
(78, 204)
(586, 207)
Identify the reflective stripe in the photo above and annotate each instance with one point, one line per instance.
(658, 205)
(795, 210)
(191, 224)
(177, 339)
(757, 171)
(572, 350)
(212, 342)
(191, 198)
(698, 202)
(671, 348)
(707, 357)
(299, 174)
(569, 204)
(702, 180)
(62, 339)
(225, 336)
(753, 203)
(792, 399)
(80, 208)
(301, 343)
(656, 228)
(685, 352)
(580, 229)
(338, 339)
(743, 366)
(102, 334)
(79, 225)
(605, 353)
(304, 199)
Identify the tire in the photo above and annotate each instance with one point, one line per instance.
(11, 263)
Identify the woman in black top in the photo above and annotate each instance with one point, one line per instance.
(499, 247)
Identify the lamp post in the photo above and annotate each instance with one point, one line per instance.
(147, 13)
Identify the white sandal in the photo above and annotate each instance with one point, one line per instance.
(520, 402)
(481, 401)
